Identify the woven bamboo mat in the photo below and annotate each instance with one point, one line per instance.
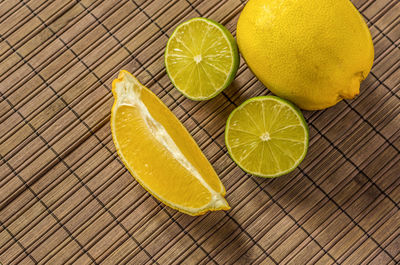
(66, 198)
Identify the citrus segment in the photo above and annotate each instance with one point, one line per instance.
(267, 136)
(160, 153)
(201, 58)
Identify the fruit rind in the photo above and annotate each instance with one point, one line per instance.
(299, 114)
(317, 61)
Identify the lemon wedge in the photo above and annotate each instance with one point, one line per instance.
(160, 153)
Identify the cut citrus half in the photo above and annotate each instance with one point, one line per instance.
(267, 136)
(201, 58)
(160, 153)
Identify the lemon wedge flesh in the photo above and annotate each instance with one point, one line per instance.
(160, 153)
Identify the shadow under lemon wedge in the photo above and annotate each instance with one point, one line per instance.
(160, 153)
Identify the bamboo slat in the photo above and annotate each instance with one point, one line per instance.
(65, 197)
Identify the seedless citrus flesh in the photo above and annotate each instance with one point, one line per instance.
(267, 136)
(160, 153)
(201, 58)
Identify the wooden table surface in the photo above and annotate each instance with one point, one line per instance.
(65, 197)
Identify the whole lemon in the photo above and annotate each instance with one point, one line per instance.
(312, 52)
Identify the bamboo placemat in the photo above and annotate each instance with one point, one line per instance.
(66, 198)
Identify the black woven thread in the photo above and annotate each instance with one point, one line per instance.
(186, 112)
(65, 219)
(348, 215)
(15, 239)
(219, 223)
(160, 85)
(354, 164)
(315, 206)
(82, 183)
(61, 110)
(356, 168)
(171, 217)
(72, 172)
(348, 200)
(55, 183)
(49, 211)
(156, 231)
(6, 15)
(78, 58)
(243, 230)
(388, 244)
(48, 60)
(388, 162)
(25, 38)
(94, 243)
(378, 132)
(25, 19)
